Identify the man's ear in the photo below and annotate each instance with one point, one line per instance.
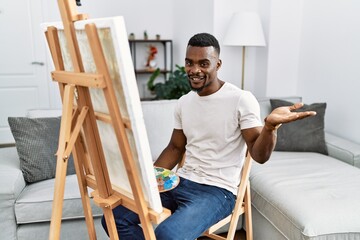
(218, 65)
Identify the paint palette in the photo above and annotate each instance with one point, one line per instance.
(166, 179)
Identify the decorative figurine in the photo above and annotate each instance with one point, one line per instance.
(151, 63)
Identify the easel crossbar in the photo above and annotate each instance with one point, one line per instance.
(76, 131)
(126, 201)
(107, 118)
(79, 79)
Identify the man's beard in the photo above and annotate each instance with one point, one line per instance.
(199, 89)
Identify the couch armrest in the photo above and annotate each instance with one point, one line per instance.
(11, 184)
(342, 149)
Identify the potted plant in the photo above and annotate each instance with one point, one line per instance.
(173, 88)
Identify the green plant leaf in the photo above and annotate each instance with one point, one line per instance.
(154, 75)
(174, 87)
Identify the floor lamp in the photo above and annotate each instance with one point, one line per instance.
(244, 30)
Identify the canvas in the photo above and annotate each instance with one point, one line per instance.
(115, 45)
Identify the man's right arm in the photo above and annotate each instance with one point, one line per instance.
(261, 141)
(173, 152)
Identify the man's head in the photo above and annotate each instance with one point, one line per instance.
(204, 40)
(202, 63)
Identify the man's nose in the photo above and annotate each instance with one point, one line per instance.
(195, 69)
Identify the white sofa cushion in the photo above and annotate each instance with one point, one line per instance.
(308, 195)
(35, 202)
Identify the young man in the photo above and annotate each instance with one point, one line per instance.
(214, 126)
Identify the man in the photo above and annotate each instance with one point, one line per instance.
(214, 126)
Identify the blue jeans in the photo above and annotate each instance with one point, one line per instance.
(195, 207)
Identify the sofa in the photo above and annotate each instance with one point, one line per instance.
(307, 195)
(25, 209)
(295, 195)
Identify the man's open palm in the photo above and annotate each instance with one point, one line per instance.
(285, 114)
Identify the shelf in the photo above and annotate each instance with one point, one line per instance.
(167, 45)
(149, 40)
(164, 61)
(145, 71)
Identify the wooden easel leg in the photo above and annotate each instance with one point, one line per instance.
(61, 163)
(248, 215)
(110, 221)
(84, 194)
(78, 153)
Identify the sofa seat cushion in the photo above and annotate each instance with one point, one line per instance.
(34, 204)
(11, 184)
(307, 195)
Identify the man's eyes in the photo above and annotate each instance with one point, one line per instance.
(205, 64)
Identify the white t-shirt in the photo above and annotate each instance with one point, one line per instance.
(215, 149)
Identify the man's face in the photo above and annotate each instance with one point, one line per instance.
(201, 65)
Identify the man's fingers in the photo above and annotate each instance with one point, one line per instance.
(296, 106)
(299, 115)
(302, 115)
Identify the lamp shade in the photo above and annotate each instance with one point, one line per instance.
(245, 30)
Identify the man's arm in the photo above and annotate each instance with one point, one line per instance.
(174, 151)
(261, 141)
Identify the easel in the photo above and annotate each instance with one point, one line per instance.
(79, 134)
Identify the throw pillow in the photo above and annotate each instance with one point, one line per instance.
(36, 143)
(305, 135)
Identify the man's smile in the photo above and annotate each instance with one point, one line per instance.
(197, 79)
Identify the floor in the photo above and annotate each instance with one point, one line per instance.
(239, 235)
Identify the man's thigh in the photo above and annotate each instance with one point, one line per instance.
(198, 207)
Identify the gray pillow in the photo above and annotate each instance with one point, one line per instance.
(36, 143)
(305, 135)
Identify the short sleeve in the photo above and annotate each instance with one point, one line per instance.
(249, 111)
(177, 116)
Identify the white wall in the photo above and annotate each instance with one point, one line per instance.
(232, 55)
(329, 65)
(283, 47)
(313, 52)
(154, 17)
(190, 17)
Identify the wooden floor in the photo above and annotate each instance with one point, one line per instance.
(240, 235)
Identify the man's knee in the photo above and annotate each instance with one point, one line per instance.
(163, 233)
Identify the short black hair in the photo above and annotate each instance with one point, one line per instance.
(204, 40)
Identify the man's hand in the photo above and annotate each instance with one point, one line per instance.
(282, 115)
